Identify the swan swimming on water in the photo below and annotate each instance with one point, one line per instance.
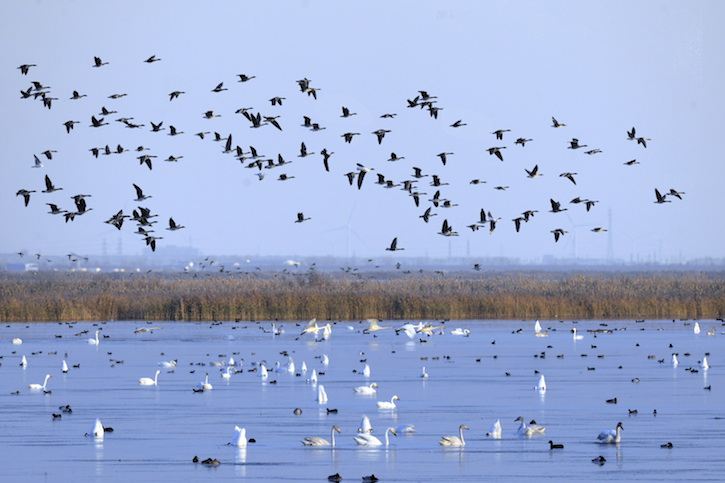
(537, 327)
(147, 381)
(367, 439)
(388, 405)
(675, 362)
(541, 386)
(530, 430)
(495, 431)
(228, 373)
(366, 370)
(17, 341)
(94, 340)
(704, 364)
(424, 374)
(205, 385)
(366, 389)
(611, 436)
(317, 441)
(459, 331)
(576, 336)
(23, 361)
(240, 437)
(696, 329)
(40, 386)
(454, 440)
(64, 366)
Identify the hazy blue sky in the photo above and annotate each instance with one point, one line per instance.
(598, 67)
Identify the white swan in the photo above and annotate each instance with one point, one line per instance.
(23, 361)
(530, 430)
(365, 426)
(388, 405)
(227, 374)
(64, 366)
(317, 441)
(326, 332)
(240, 437)
(374, 326)
(97, 431)
(303, 367)
(424, 374)
(459, 331)
(205, 385)
(541, 386)
(231, 362)
(366, 389)
(94, 340)
(367, 439)
(675, 362)
(705, 366)
(696, 329)
(40, 386)
(17, 341)
(405, 428)
(409, 329)
(313, 377)
(537, 327)
(147, 381)
(611, 436)
(495, 431)
(321, 394)
(454, 440)
(366, 370)
(312, 327)
(263, 373)
(576, 336)
(325, 360)
(168, 364)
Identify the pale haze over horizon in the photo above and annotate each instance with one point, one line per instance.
(598, 67)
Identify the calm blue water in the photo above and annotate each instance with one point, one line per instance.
(159, 429)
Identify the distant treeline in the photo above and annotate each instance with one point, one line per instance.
(44, 296)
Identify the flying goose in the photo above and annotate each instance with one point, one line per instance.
(394, 246)
(574, 144)
(497, 151)
(301, 218)
(54, 210)
(522, 141)
(175, 95)
(220, 87)
(25, 68)
(534, 173)
(499, 133)
(458, 123)
(49, 187)
(556, 123)
(569, 176)
(380, 133)
(557, 233)
(346, 112)
(97, 62)
(660, 197)
(173, 226)
(556, 206)
(152, 59)
(25, 194)
(245, 78)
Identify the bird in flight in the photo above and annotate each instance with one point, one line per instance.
(301, 218)
(394, 246)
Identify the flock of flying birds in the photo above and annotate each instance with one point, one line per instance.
(251, 158)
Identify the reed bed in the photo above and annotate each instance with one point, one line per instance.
(47, 296)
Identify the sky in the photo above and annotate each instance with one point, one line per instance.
(601, 68)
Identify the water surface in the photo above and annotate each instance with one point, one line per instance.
(472, 380)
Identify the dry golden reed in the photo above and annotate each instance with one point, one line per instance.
(45, 296)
